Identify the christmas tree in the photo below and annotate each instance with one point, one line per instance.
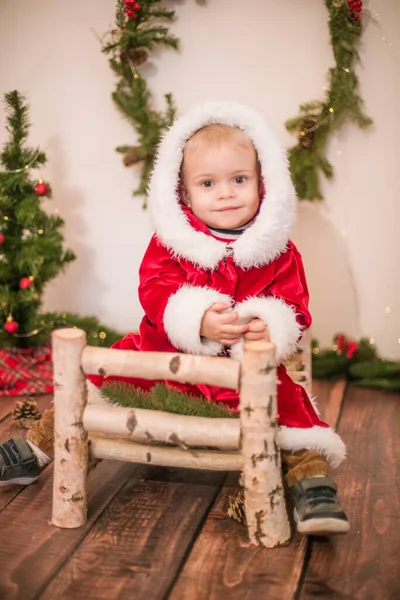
(31, 245)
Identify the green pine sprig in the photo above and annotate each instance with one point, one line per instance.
(163, 398)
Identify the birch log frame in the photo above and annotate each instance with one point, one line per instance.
(70, 438)
(263, 491)
(165, 457)
(186, 368)
(149, 426)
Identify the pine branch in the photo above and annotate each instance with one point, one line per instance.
(163, 398)
(132, 95)
(342, 104)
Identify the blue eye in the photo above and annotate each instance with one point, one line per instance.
(207, 183)
(239, 179)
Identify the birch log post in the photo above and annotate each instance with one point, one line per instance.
(70, 438)
(263, 490)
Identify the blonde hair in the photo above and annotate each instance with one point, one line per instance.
(217, 133)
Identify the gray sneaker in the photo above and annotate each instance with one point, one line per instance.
(317, 509)
(18, 462)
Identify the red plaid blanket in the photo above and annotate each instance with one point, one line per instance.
(26, 372)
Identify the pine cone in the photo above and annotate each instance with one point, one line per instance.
(307, 132)
(236, 507)
(134, 155)
(137, 56)
(25, 412)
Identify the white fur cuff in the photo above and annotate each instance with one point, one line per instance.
(183, 315)
(322, 439)
(280, 319)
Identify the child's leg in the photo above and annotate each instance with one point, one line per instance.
(317, 509)
(41, 433)
(21, 461)
(303, 464)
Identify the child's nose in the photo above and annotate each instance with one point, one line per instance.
(226, 191)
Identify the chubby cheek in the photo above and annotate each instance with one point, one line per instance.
(200, 203)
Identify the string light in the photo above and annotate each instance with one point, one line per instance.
(315, 351)
(133, 70)
(371, 341)
(331, 110)
(102, 335)
(40, 231)
(25, 167)
(27, 335)
(388, 310)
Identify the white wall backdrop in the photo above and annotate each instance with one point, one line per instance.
(271, 54)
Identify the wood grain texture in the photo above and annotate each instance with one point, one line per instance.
(223, 564)
(364, 564)
(136, 547)
(32, 550)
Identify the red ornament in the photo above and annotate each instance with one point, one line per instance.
(346, 346)
(131, 13)
(2, 238)
(341, 342)
(352, 348)
(26, 282)
(132, 4)
(11, 326)
(41, 189)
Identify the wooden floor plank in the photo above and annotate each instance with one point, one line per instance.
(136, 547)
(223, 564)
(9, 428)
(364, 564)
(32, 550)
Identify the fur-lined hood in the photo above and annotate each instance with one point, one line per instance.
(267, 237)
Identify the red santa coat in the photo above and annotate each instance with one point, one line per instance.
(185, 270)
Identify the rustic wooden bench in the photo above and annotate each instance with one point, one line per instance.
(92, 429)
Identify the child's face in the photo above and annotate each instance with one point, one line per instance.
(221, 183)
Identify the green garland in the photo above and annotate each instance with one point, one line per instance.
(129, 45)
(319, 119)
(138, 32)
(356, 361)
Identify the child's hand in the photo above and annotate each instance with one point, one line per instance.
(257, 330)
(220, 327)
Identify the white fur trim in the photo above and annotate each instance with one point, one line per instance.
(267, 237)
(322, 439)
(280, 318)
(314, 403)
(182, 318)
